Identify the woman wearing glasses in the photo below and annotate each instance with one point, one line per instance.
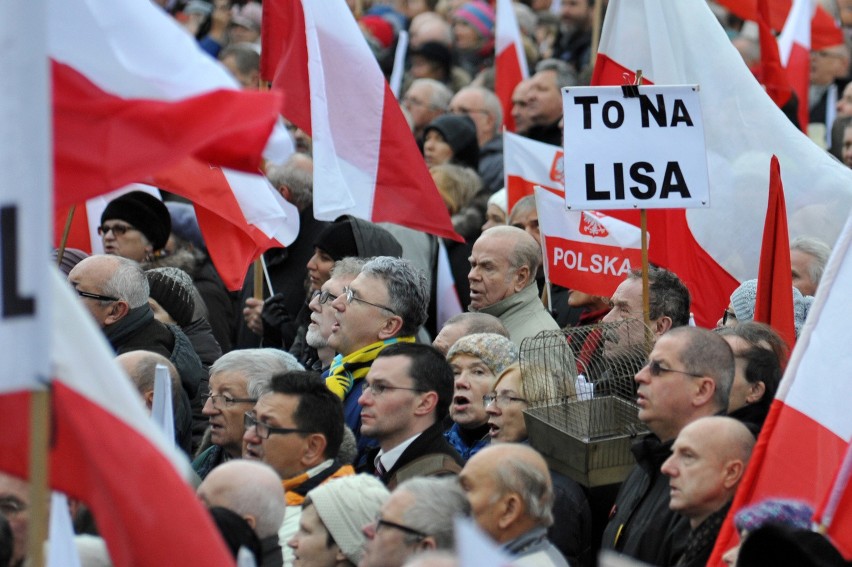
(135, 225)
(571, 531)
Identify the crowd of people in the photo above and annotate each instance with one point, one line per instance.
(334, 419)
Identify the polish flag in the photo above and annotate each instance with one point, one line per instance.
(774, 301)
(771, 74)
(510, 62)
(824, 30)
(366, 162)
(529, 163)
(713, 249)
(794, 48)
(809, 428)
(585, 250)
(133, 93)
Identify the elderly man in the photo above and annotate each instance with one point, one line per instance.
(403, 402)
(425, 100)
(668, 301)
(707, 463)
(296, 427)
(511, 499)
(330, 533)
(385, 304)
(520, 107)
(484, 108)
(464, 324)
(808, 257)
(503, 264)
(252, 490)
(115, 291)
(230, 379)
(688, 376)
(544, 99)
(417, 517)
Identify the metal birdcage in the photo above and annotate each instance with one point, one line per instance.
(582, 414)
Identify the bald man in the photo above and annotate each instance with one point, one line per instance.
(254, 491)
(511, 499)
(707, 463)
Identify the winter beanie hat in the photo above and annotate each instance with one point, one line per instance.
(459, 132)
(337, 240)
(495, 351)
(478, 15)
(172, 288)
(345, 505)
(145, 212)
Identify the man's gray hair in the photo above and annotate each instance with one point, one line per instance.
(245, 55)
(439, 94)
(522, 206)
(492, 106)
(533, 487)
(526, 252)
(566, 76)
(705, 353)
(257, 365)
(408, 289)
(475, 323)
(437, 501)
(297, 179)
(258, 495)
(128, 282)
(815, 248)
(349, 266)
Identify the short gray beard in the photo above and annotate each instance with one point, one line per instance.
(315, 339)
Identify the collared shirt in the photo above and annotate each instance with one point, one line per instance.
(389, 459)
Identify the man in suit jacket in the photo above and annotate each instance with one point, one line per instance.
(405, 397)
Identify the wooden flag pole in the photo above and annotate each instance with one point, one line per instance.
(39, 492)
(643, 225)
(597, 20)
(62, 243)
(258, 279)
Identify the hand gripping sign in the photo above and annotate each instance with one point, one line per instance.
(634, 148)
(585, 250)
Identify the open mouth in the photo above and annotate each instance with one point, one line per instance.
(493, 430)
(461, 402)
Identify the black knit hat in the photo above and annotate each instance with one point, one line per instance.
(337, 239)
(172, 288)
(459, 132)
(145, 212)
(437, 53)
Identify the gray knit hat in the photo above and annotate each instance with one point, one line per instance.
(345, 505)
(744, 299)
(495, 351)
(172, 288)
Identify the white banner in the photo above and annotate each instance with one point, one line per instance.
(634, 148)
(26, 167)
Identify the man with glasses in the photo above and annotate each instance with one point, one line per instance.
(417, 517)
(425, 100)
(688, 376)
(14, 506)
(403, 402)
(296, 427)
(385, 304)
(483, 107)
(230, 380)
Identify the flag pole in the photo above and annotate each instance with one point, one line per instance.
(258, 280)
(39, 494)
(62, 243)
(643, 225)
(597, 18)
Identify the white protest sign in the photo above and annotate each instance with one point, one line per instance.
(634, 148)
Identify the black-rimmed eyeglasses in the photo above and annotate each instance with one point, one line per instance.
(97, 296)
(656, 369)
(350, 297)
(382, 523)
(323, 297)
(117, 229)
(264, 430)
(728, 315)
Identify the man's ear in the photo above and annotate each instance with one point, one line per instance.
(314, 449)
(755, 392)
(427, 403)
(661, 325)
(428, 543)
(522, 278)
(390, 328)
(733, 473)
(149, 399)
(705, 392)
(117, 312)
(252, 521)
(513, 508)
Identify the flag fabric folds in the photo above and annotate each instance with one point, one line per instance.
(366, 162)
(585, 250)
(133, 93)
(774, 301)
(808, 431)
(510, 61)
(824, 30)
(713, 249)
(529, 163)
(107, 452)
(794, 47)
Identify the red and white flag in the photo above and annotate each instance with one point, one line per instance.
(825, 32)
(794, 48)
(713, 249)
(809, 428)
(510, 61)
(585, 250)
(366, 162)
(447, 300)
(133, 93)
(529, 163)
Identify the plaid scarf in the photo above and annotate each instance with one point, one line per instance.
(344, 371)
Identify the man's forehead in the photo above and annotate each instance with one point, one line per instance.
(276, 404)
(386, 366)
(629, 291)
(229, 379)
(337, 283)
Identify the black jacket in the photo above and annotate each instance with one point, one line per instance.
(430, 443)
(641, 524)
